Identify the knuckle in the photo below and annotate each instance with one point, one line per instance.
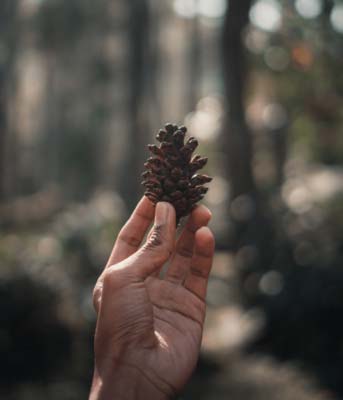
(200, 273)
(116, 277)
(185, 251)
(130, 240)
(97, 287)
(97, 294)
(109, 279)
(159, 243)
(157, 237)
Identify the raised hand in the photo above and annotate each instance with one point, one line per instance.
(149, 327)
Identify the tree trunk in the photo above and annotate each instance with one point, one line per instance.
(237, 137)
(7, 32)
(3, 130)
(194, 64)
(138, 38)
(251, 236)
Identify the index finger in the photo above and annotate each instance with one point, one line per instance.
(131, 235)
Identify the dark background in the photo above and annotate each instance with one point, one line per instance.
(84, 86)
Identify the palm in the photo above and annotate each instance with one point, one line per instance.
(178, 317)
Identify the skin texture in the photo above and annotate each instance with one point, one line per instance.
(149, 328)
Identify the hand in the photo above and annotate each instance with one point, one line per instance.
(149, 328)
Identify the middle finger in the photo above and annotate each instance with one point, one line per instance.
(181, 260)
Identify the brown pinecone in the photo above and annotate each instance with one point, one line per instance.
(171, 173)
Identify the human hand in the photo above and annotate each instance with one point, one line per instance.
(149, 328)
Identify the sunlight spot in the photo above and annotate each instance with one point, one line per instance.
(271, 283)
(309, 8)
(336, 18)
(219, 191)
(205, 121)
(297, 196)
(205, 8)
(229, 327)
(266, 15)
(255, 40)
(274, 116)
(185, 8)
(212, 9)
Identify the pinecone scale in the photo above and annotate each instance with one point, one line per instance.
(171, 171)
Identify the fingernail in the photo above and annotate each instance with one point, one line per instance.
(161, 213)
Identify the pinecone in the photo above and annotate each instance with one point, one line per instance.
(170, 174)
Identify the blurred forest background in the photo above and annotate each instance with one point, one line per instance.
(84, 86)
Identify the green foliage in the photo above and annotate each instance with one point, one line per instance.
(304, 61)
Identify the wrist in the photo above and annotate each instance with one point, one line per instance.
(125, 384)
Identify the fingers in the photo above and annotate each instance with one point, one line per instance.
(132, 233)
(160, 244)
(181, 262)
(197, 278)
(153, 254)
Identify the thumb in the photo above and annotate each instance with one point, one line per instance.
(161, 241)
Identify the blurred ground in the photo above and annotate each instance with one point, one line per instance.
(226, 370)
(62, 259)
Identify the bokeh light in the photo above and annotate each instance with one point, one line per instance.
(309, 8)
(205, 121)
(271, 283)
(266, 15)
(274, 116)
(277, 58)
(255, 40)
(212, 9)
(185, 8)
(204, 8)
(337, 18)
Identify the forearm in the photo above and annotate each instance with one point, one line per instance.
(125, 385)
